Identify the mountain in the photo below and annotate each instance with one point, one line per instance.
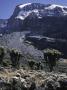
(38, 10)
(46, 17)
(47, 25)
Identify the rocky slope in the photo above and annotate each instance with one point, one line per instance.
(17, 40)
(42, 42)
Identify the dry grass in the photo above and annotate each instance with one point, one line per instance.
(33, 75)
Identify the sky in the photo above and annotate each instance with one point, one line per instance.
(7, 6)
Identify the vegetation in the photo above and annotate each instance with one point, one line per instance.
(2, 53)
(51, 56)
(35, 65)
(15, 57)
(31, 64)
(39, 65)
(6, 63)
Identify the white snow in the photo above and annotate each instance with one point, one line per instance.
(20, 17)
(36, 11)
(23, 14)
(47, 11)
(65, 12)
(23, 5)
(54, 6)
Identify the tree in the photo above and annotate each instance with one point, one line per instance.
(51, 56)
(2, 53)
(39, 65)
(15, 57)
(31, 64)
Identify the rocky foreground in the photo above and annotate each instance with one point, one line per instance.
(11, 79)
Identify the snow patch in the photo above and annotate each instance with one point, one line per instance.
(23, 5)
(47, 11)
(54, 6)
(20, 17)
(23, 14)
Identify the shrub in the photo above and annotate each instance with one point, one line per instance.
(2, 53)
(6, 63)
(31, 64)
(15, 57)
(39, 65)
(51, 56)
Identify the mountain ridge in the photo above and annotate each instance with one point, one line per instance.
(41, 9)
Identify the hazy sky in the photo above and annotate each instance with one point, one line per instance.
(7, 6)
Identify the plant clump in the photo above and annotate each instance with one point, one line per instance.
(51, 56)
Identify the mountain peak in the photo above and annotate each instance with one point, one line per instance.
(49, 6)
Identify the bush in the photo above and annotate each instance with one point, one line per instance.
(15, 57)
(2, 53)
(35, 65)
(39, 65)
(51, 56)
(6, 63)
(31, 64)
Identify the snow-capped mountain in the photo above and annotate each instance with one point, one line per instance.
(26, 15)
(40, 20)
(40, 10)
(49, 20)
